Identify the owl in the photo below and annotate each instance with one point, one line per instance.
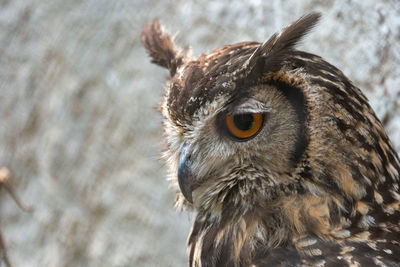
(279, 155)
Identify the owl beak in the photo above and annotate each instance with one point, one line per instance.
(185, 177)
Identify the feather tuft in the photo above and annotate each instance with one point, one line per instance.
(161, 48)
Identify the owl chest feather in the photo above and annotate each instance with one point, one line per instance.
(291, 230)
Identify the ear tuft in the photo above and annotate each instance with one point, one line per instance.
(271, 54)
(161, 48)
(278, 45)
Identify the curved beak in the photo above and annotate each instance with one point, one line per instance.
(185, 176)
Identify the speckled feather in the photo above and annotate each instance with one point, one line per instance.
(318, 187)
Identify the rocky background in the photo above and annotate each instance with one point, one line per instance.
(80, 134)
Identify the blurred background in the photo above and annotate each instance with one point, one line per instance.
(80, 134)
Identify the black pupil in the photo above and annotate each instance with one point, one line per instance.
(243, 122)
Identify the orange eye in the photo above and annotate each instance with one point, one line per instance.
(244, 126)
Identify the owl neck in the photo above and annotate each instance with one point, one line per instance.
(231, 236)
(229, 230)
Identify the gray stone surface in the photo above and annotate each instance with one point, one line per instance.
(81, 136)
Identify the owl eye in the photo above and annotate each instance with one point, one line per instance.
(244, 126)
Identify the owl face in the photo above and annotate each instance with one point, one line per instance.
(240, 132)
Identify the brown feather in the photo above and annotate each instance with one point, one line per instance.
(161, 48)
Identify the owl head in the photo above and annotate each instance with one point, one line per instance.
(259, 122)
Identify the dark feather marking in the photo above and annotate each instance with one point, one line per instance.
(208, 251)
(326, 179)
(368, 164)
(276, 257)
(198, 226)
(297, 100)
(225, 255)
(306, 172)
(297, 61)
(341, 124)
(351, 107)
(334, 213)
(354, 137)
(364, 143)
(383, 157)
(357, 176)
(332, 74)
(383, 189)
(356, 93)
(391, 156)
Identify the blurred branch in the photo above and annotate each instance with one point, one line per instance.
(4, 176)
